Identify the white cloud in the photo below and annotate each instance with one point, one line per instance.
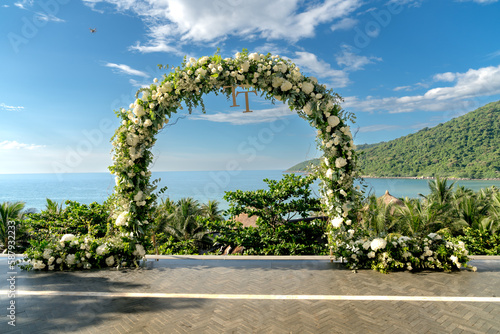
(469, 85)
(14, 145)
(127, 70)
(484, 2)
(448, 77)
(493, 54)
(240, 118)
(407, 88)
(353, 62)
(43, 16)
(49, 18)
(173, 23)
(344, 24)
(309, 62)
(3, 106)
(136, 83)
(378, 127)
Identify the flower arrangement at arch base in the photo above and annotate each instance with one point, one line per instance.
(72, 252)
(395, 252)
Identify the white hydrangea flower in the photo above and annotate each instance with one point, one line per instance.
(377, 244)
(307, 87)
(47, 253)
(139, 250)
(100, 250)
(110, 261)
(286, 85)
(70, 259)
(39, 265)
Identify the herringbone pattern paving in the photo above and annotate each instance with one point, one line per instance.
(69, 314)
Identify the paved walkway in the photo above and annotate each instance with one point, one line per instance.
(252, 295)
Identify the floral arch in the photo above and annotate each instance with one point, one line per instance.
(274, 78)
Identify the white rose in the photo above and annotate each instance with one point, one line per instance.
(337, 221)
(132, 139)
(67, 237)
(254, 56)
(122, 219)
(308, 109)
(371, 255)
(203, 60)
(307, 87)
(333, 121)
(138, 110)
(277, 82)
(340, 162)
(329, 173)
(245, 66)
(138, 196)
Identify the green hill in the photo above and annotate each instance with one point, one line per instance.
(464, 147)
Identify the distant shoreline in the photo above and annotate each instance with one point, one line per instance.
(427, 178)
(410, 177)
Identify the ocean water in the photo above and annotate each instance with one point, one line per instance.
(33, 189)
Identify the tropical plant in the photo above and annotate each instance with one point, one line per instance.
(9, 212)
(212, 211)
(286, 198)
(53, 207)
(185, 222)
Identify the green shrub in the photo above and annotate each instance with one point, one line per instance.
(479, 242)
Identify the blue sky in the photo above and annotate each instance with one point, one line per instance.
(400, 65)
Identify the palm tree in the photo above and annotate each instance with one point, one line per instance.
(441, 192)
(9, 212)
(160, 221)
(53, 207)
(184, 224)
(211, 211)
(492, 222)
(377, 216)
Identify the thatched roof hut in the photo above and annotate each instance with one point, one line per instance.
(389, 199)
(246, 220)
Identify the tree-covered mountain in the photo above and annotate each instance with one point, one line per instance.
(464, 147)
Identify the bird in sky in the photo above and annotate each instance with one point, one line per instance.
(93, 30)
